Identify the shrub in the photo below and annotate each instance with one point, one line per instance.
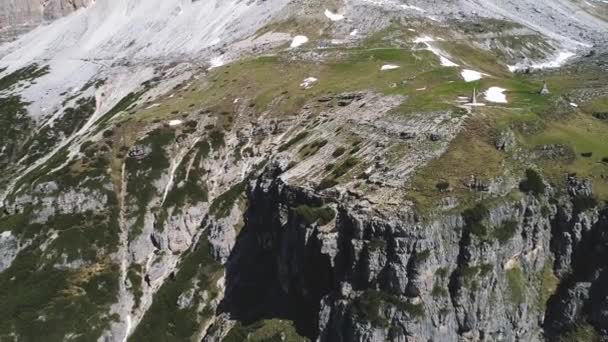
(533, 183)
(338, 152)
(580, 332)
(582, 203)
(293, 141)
(222, 205)
(506, 231)
(326, 183)
(370, 304)
(310, 215)
(474, 218)
(343, 168)
(442, 186)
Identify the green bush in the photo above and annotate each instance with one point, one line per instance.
(533, 183)
(299, 137)
(222, 205)
(370, 305)
(310, 215)
(582, 203)
(442, 186)
(343, 168)
(506, 231)
(580, 332)
(338, 152)
(474, 220)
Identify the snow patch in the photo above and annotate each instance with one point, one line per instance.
(175, 123)
(426, 40)
(354, 33)
(573, 104)
(496, 95)
(389, 67)
(333, 16)
(298, 41)
(308, 82)
(216, 62)
(557, 61)
(471, 75)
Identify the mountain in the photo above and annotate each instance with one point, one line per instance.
(299, 170)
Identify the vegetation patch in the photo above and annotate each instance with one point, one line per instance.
(26, 74)
(533, 183)
(312, 148)
(506, 231)
(548, 285)
(371, 306)
(472, 274)
(223, 204)
(299, 137)
(165, 321)
(516, 284)
(475, 220)
(580, 332)
(142, 171)
(263, 331)
(310, 215)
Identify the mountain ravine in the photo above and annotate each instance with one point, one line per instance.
(289, 170)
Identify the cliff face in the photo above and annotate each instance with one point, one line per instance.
(359, 274)
(20, 16)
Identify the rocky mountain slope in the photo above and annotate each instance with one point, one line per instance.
(358, 170)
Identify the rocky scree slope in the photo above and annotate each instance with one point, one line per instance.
(243, 187)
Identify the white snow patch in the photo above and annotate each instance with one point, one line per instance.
(354, 33)
(471, 75)
(411, 30)
(423, 39)
(559, 60)
(333, 16)
(298, 41)
(175, 123)
(216, 62)
(389, 67)
(496, 95)
(446, 62)
(426, 40)
(308, 82)
(573, 104)
(421, 89)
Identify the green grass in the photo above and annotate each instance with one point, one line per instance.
(263, 331)
(310, 215)
(15, 127)
(472, 275)
(142, 172)
(27, 74)
(580, 332)
(516, 284)
(506, 231)
(533, 183)
(293, 141)
(164, 321)
(584, 134)
(224, 203)
(32, 288)
(547, 285)
(371, 305)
